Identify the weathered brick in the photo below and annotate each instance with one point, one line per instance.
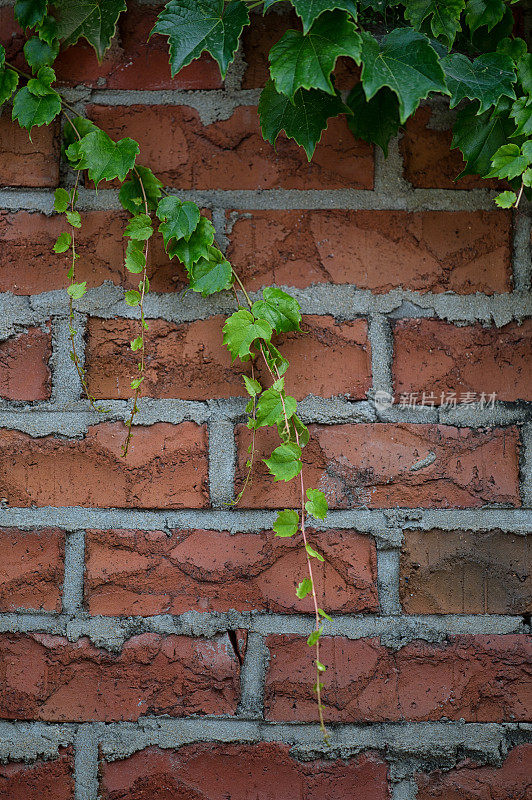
(476, 678)
(24, 162)
(436, 251)
(46, 780)
(231, 153)
(188, 360)
(241, 772)
(24, 370)
(465, 572)
(437, 358)
(48, 678)
(166, 467)
(31, 569)
(371, 465)
(148, 572)
(510, 781)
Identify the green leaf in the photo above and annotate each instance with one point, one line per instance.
(486, 79)
(306, 61)
(8, 84)
(270, 408)
(83, 127)
(316, 504)
(304, 588)
(241, 330)
(445, 16)
(321, 667)
(276, 361)
(286, 524)
(193, 26)
(137, 343)
(506, 199)
(210, 275)
(322, 613)
(35, 110)
(196, 247)
(310, 10)
(39, 54)
(135, 259)
(522, 113)
(483, 12)
(131, 196)
(314, 636)
(515, 48)
(179, 220)
(507, 162)
(132, 297)
(526, 149)
(294, 424)
(480, 136)
(139, 228)
(136, 383)
(74, 218)
(30, 13)
(61, 200)
(406, 63)
(285, 462)
(524, 72)
(303, 119)
(282, 311)
(527, 177)
(77, 290)
(63, 242)
(104, 159)
(47, 30)
(375, 120)
(94, 20)
(253, 387)
(314, 553)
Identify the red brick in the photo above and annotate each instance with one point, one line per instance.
(47, 780)
(434, 357)
(371, 465)
(148, 572)
(24, 371)
(166, 468)
(238, 771)
(465, 572)
(189, 361)
(477, 678)
(510, 781)
(231, 153)
(48, 678)
(436, 251)
(31, 569)
(24, 162)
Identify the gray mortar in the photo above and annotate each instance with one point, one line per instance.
(252, 677)
(522, 257)
(222, 453)
(66, 387)
(380, 339)
(526, 466)
(388, 581)
(72, 598)
(86, 763)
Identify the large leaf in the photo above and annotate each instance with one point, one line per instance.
(285, 462)
(444, 14)
(375, 120)
(104, 159)
(480, 136)
(241, 330)
(306, 61)
(196, 246)
(210, 275)
(486, 79)
(310, 10)
(406, 63)
(282, 311)
(484, 12)
(304, 118)
(193, 26)
(178, 220)
(94, 20)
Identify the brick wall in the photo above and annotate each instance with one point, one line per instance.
(151, 641)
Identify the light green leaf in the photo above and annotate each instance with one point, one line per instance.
(321, 667)
(486, 79)
(136, 383)
(35, 110)
(483, 12)
(63, 242)
(253, 387)
(135, 259)
(241, 330)
(507, 162)
(270, 408)
(304, 588)
(139, 228)
(131, 196)
(527, 177)
(40, 54)
(306, 61)
(137, 343)
(74, 218)
(104, 159)
(314, 553)
(314, 636)
(506, 199)
(445, 16)
(310, 10)
(375, 120)
(132, 297)
(30, 13)
(193, 26)
(8, 84)
(316, 504)
(294, 424)
(286, 524)
(526, 149)
(479, 136)
(522, 113)
(285, 462)
(406, 63)
(210, 275)
(322, 613)
(197, 246)
(61, 200)
(179, 220)
(77, 290)
(94, 20)
(304, 118)
(282, 311)
(276, 361)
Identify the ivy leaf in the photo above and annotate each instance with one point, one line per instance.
(507, 162)
(74, 218)
(193, 26)
(406, 63)
(210, 275)
(515, 48)
(282, 311)
(294, 425)
(131, 196)
(286, 524)
(316, 504)
(139, 227)
(30, 13)
(40, 54)
(61, 200)
(306, 61)
(303, 118)
(137, 343)
(253, 387)
(196, 247)
(445, 16)
(522, 114)
(506, 199)
(77, 290)
(135, 259)
(313, 638)
(479, 136)
(310, 10)
(314, 553)
(47, 29)
(270, 408)
(304, 588)
(104, 159)
(527, 177)
(8, 84)
(132, 297)
(94, 20)
(241, 330)
(63, 242)
(524, 72)
(37, 103)
(179, 220)
(483, 12)
(375, 120)
(323, 614)
(486, 79)
(285, 462)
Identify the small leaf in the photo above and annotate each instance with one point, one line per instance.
(506, 199)
(8, 84)
(135, 258)
(35, 110)
(137, 343)
(196, 247)
(210, 275)
(132, 297)
(507, 162)
(304, 588)
(484, 12)
(314, 636)
(74, 218)
(294, 424)
(253, 387)
(30, 13)
(104, 159)
(285, 462)
(179, 220)
(136, 383)
(316, 504)
(77, 290)
(522, 113)
(524, 72)
(527, 177)
(322, 613)
(314, 553)
(63, 242)
(321, 667)
(139, 228)
(282, 311)
(286, 524)
(61, 200)
(241, 330)
(131, 195)
(276, 361)
(270, 408)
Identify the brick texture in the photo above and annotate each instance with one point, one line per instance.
(47, 780)
(31, 569)
(24, 371)
(475, 678)
(24, 162)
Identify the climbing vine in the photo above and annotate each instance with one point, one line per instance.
(465, 50)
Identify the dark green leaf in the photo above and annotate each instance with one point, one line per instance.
(104, 159)
(197, 245)
(316, 504)
(522, 114)
(445, 16)
(8, 84)
(241, 330)
(139, 227)
(285, 462)
(63, 242)
(310, 10)
(270, 408)
(479, 136)
(82, 126)
(524, 72)
(179, 220)
(507, 162)
(515, 48)
(94, 20)
(30, 13)
(304, 588)
(375, 120)
(33, 109)
(210, 275)
(135, 258)
(282, 311)
(484, 12)
(486, 79)
(47, 30)
(131, 195)
(286, 524)
(40, 54)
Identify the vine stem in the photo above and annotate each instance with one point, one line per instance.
(29, 77)
(519, 195)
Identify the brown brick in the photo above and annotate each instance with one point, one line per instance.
(24, 371)
(476, 678)
(166, 468)
(510, 781)
(465, 572)
(24, 162)
(188, 360)
(31, 569)
(46, 780)
(231, 153)
(436, 251)
(145, 573)
(242, 772)
(432, 356)
(48, 678)
(371, 465)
